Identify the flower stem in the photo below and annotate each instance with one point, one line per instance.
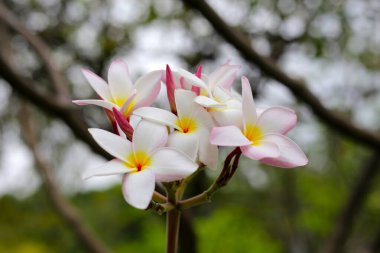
(172, 226)
(172, 220)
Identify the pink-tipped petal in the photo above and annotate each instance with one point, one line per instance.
(266, 149)
(113, 167)
(248, 105)
(187, 143)
(290, 153)
(224, 76)
(119, 81)
(138, 188)
(208, 102)
(157, 115)
(149, 136)
(277, 120)
(148, 87)
(170, 87)
(169, 164)
(228, 136)
(102, 103)
(198, 73)
(98, 84)
(112, 143)
(123, 123)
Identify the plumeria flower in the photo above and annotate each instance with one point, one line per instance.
(262, 137)
(217, 95)
(191, 127)
(143, 161)
(120, 92)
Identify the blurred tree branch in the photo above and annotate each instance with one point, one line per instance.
(40, 48)
(53, 104)
(359, 192)
(297, 87)
(63, 207)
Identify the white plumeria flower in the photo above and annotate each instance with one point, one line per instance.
(216, 94)
(262, 137)
(120, 92)
(191, 127)
(143, 161)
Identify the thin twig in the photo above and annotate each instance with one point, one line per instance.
(224, 177)
(297, 87)
(63, 207)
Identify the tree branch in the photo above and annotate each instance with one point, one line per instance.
(64, 208)
(297, 87)
(29, 89)
(350, 210)
(40, 48)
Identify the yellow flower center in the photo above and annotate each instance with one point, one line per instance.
(253, 133)
(120, 102)
(186, 125)
(138, 160)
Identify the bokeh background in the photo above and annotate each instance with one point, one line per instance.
(331, 204)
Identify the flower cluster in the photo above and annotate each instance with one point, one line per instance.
(152, 145)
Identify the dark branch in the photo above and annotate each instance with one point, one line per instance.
(40, 48)
(359, 192)
(297, 87)
(29, 89)
(63, 207)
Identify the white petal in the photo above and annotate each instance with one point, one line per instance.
(102, 103)
(157, 115)
(170, 164)
(98, 84)
(119, 81)
(149, 136)
(222, 95)
(112, 143)
(266, 149)
(228, 117)
(112, 167)
(208, 153)
(138, 188)
(193, 79)
(186, 107)
(228, 136)
(187, 143)
(148, 87)
(184, 99)
(277, 120)
(290, 154)
(208, 102)
(248, 105)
